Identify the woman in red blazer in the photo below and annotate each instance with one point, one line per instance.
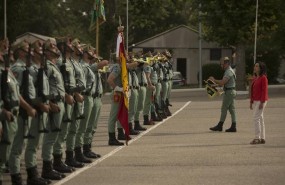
(258, 101)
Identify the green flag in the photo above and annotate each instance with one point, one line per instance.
(98, 11)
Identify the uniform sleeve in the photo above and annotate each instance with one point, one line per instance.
(147, 69)
(116, 70)
(94, 67)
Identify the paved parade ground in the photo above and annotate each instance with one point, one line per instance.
(181, 150)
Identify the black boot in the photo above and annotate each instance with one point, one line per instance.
(218, 127)
(70, 161)
(154, 117)
(113, 141)
(138, 126)
(80, 157)
(33, 177)
(132, 131)
(87, 152)
(49, 173)
(167, 104)
(59, 166)
(232, 128)
(147, 121)
(121, 135)
(16, 179)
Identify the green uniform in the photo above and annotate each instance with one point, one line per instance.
(15, 157)
(70, 84)
(57, 90)
(133, 100)
(169, 66)
(96, 109)
(154, 81)
(78, 107)
(38, 123)
(229, 96)
(142, 92)
(158, 68)
(11, 128)
(88, 104)
(164, 83)
(116, 71)
(149, 92)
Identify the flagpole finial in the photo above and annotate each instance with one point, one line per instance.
(120, 27)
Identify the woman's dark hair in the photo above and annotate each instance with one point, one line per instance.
(262, 67)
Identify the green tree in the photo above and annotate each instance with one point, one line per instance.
(231, 23)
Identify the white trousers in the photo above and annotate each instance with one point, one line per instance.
(258, 120)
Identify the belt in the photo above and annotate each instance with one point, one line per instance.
(229, 88)
(143, 84)
(134, 87)
(96, 95)
(57, 98)
(86, 93)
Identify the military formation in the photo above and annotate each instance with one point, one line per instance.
(51, 97)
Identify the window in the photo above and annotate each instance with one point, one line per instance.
(215, 54)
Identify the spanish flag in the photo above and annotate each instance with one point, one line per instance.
(124, 102)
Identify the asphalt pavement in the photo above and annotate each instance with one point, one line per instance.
(182, 150)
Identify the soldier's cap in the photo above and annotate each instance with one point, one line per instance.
(167, 53)
(60, 40)
(20, 45)
(76, 43)
(226, 59)
(48, 45)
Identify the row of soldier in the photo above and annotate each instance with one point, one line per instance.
(52, 92)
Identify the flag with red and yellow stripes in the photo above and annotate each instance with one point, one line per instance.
(124, 102)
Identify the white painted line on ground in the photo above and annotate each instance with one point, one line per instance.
(80, 170)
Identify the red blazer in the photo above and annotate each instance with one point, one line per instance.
(259, 89)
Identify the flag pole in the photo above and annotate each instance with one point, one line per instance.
(97, 31)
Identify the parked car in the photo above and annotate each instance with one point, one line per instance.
(178, 79)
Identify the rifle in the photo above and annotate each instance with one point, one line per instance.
(5, 96)
(65, 78)
(25, 93)
(40, 92)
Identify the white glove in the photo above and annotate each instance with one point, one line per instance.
(118, 89)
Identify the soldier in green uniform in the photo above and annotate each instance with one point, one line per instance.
(133, 100)
(57, 109)
(27, 112)
(149, 92)
(229, 83)
(157, 99)
(88, 102)
(10, 99)
(77, 115)
(72, 95)
(96, 65)
(38, 125)
(165, 85)
(140, 70)
(170, 71)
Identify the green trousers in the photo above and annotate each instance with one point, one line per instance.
(60, 137)
(18, 145)
(4, 148)
(141, 100)
(74, 126)
(148, 101)
(113, 115)
(88, 104)
(133, 102)
(164, 89)
(32, 144)
(93, 121)
(50, 138)
(228, 104)
(169, 89)
(157, 94)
